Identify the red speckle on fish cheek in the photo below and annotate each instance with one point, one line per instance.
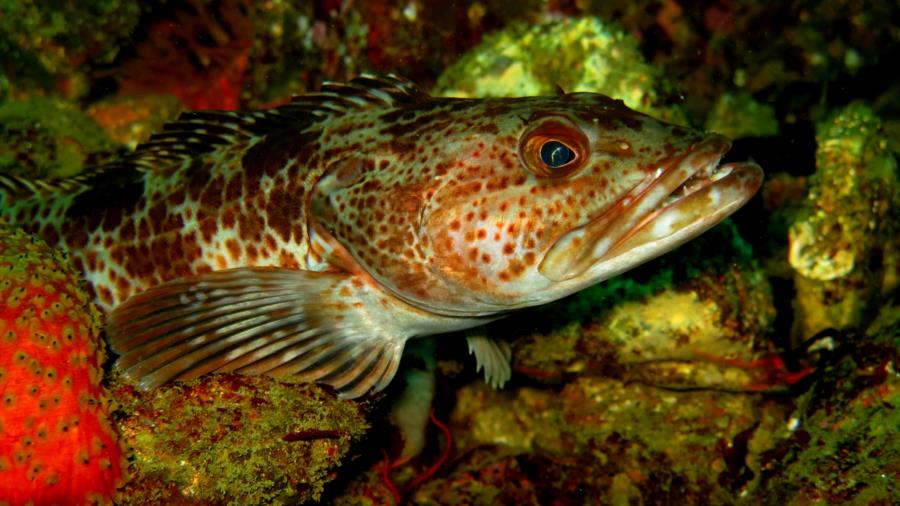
(123, 287)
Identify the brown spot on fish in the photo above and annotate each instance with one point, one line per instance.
(250, 226)
(282, 210)
(234, 249)
(211, 198)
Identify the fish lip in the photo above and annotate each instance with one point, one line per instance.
(579, 250)
(733, 185)
(702, 159)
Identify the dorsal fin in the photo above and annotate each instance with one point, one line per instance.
(199, 132)
(363, 92)
(17, 187)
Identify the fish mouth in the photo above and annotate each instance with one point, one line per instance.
(683, 198)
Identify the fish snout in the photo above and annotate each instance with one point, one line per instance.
(686, 196)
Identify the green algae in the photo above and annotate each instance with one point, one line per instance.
(46, 137)
(236, 440)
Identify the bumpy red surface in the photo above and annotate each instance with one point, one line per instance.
(57, 445)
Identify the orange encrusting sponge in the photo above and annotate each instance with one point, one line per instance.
(57, 444)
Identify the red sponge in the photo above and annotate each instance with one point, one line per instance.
(57, 445)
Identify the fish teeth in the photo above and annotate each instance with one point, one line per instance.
(720, 171)
(701, 178)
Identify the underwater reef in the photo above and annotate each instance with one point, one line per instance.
(755, 364)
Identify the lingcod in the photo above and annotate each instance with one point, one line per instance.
(315, 238)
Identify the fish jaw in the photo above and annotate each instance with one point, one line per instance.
(680, 201)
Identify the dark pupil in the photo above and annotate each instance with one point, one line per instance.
(556, 154)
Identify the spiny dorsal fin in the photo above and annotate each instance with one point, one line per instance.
(13, 187)
(17, 187)
(193, 133)
(200, 132)
(364, 92)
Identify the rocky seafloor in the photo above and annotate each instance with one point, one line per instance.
(756, 364)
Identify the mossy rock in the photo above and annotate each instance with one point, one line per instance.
(234, 439)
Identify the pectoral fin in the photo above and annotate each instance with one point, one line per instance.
(493, 356)
(323, 327)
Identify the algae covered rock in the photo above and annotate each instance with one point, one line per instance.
(47, 137)
(575, 54)
(840, 244)
(234, 439)
(845, 447)
(602, 440)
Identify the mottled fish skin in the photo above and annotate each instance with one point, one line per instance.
(396, 213)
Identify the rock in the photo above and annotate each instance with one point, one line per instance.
(231, 438)
(840, 245)
(575, 54)
(844, 447)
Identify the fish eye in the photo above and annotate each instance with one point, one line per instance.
(553, 147)
(556, 154)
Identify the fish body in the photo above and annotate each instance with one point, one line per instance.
(315, 238)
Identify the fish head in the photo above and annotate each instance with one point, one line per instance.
(508, 203)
